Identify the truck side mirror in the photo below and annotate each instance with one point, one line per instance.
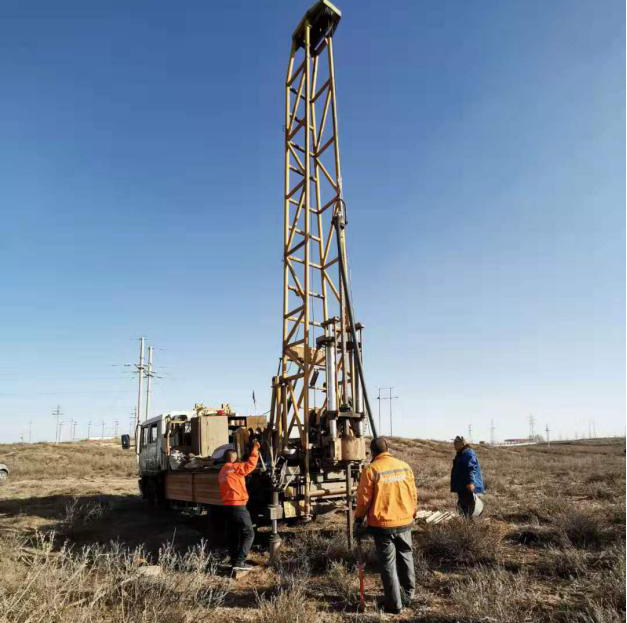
(125, 441)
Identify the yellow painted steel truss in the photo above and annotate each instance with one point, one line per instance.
(314, 297)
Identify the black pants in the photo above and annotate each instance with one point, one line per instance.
(240, 533)
(466, 503)
(396, 561)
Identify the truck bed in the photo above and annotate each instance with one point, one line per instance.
(200, 487)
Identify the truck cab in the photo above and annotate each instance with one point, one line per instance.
(152, 451)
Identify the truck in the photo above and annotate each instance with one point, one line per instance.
(181, 452)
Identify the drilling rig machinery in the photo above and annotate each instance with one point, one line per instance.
(315, 438)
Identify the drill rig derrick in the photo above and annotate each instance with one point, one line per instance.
(315, 439)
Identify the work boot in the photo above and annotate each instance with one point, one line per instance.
(407, 597)
(382, 604)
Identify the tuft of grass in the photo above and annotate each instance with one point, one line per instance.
(460, 542)
(97, 584)
(495, 593)
(583, 529)
(568, 563)
(343, 581)
(286, 606)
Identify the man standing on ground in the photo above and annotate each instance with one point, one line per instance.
(386, 496)
(234, 496)
(466, 479)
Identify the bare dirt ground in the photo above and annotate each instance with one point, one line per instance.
(77, 544)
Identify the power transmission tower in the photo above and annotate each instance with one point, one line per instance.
(103, 427)
(548, 438)
(469, 432)
(115, 427)
(492, 432)
(89, 429)
(57, 413)
(73, 424)
(30, 431)
(532, 432)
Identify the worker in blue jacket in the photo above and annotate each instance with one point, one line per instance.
(466, 479)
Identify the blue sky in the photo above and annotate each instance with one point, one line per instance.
(483, 159)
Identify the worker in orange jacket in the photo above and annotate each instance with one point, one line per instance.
(386, 497)
(234, 496)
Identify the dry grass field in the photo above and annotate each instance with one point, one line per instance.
(77, 545)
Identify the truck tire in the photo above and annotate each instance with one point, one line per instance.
(3, 474)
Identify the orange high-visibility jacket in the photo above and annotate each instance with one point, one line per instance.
(387, 493)
(231, 479)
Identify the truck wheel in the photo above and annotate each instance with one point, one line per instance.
(3, 474)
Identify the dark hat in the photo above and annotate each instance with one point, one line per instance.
(378, 445)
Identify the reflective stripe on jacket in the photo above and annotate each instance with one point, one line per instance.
(387, 493)
(232, 480)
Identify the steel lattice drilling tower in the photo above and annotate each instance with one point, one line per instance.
(319, 403)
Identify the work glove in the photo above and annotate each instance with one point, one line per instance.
(359, 528)
(256, 445)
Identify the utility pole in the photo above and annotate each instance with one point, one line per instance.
(492, 432)
(103, 427)
(89, 429)
(131, 422)
(390, 398)
(469, 432)
(74, 423)
(57, 413)
(115, 427)
(548, 438)
(140, 374)
(149, 375)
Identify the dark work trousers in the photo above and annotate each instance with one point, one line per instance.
(240, 532)
(466, 503)
(394, 552)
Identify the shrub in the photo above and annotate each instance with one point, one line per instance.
(286, 606)
(344, 581)
(315, 552)
(495, 592)
(583, 529)
(98, 584)
(460, 542)
(566, 563)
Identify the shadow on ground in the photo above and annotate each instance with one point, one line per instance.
(126, 519)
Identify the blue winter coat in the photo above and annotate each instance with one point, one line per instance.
(466, 470)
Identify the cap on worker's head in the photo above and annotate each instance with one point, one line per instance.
(459, 439)
(378, 445)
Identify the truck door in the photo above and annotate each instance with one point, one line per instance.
(152, 448)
